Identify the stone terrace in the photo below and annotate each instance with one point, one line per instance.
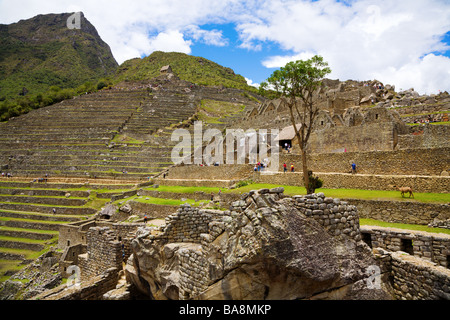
(31, 214)
(120, 133)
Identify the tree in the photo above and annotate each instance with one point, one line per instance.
(295, 83)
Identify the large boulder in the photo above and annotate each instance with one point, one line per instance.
(267, 247)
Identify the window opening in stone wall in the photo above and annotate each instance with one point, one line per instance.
(68, 243)
(367, 238)
(407, 246)
(376, 116)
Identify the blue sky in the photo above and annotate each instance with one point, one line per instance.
(405, 43)
(243, 61)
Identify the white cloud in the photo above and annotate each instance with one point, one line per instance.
(430, 75)
(251, 83)
(209, 37)
(280, 61)
(396, 42)
(361, 41)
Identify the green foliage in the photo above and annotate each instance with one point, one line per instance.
(15, 107)
(314, 182)
(243, 183)
(193, 69)
(300, 78)
(52, 66)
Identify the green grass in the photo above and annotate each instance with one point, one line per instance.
(30, 230)
(432, 123)
(211, 111)
(334, 193)
(33, 221)
(23, 240)
(182, 189)
(161, 201)
(371, 222)
(127, 140)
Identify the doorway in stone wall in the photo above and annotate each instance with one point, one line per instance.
(367, 238)
(407, 246)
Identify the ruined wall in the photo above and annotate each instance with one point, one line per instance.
(434, 247)
(414, 279)
(336, 216)
(369, 137)
(426, 136)
(223, 172)
(187, 224)
(409, 162)
(155, 211)
(90, 289)
(366, 182)
(103, 252)
(401, 211)
(74, 233)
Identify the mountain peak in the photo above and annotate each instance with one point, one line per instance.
(43, 51)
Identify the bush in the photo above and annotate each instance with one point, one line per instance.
(314, 182)
(243, 183)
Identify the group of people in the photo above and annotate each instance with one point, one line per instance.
(6, 175)
(287, 147)
(259, 166)
(285, 167)
(429, 119)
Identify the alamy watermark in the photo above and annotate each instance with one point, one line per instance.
(75, 279)
(374, 279)
(74, 21)
(210, 147)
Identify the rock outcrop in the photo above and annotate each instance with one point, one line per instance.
(267, 246)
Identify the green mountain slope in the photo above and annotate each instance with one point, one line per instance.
(190, 68)
(41, 52)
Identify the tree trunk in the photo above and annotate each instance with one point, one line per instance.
(305, 172)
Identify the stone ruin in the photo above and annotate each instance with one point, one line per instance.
(267, 246)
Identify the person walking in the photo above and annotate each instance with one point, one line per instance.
(353, 167)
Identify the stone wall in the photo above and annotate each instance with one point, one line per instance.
(426, 136)
(422, 161)
(104, 251)
(336, 216)
(434, 247)
(360, 181)
(153, 211)
(187, 224)
(223, 172)
(74, 233)
(369, 137)
(91, 289)
(417, 279)
(401, 211)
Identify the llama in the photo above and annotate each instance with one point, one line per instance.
(404, 190)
